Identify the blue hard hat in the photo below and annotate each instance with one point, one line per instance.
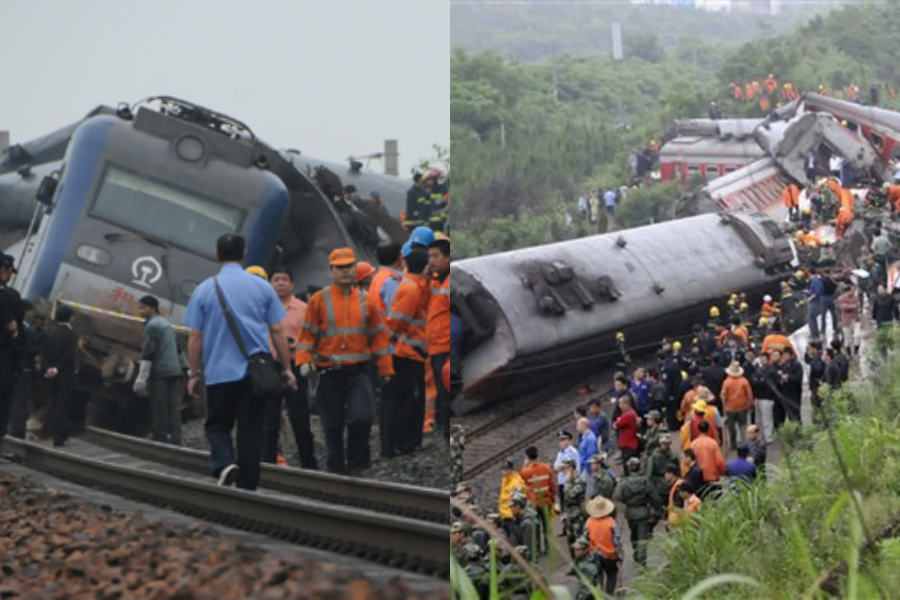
(407, 249)
(422, 236)
(375, 195)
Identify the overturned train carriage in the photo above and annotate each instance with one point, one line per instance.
(538, 315)
(136, 200)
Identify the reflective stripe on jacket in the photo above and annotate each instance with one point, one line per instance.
(407, 318)
(438, 328)
(374, 295)
(334, 332)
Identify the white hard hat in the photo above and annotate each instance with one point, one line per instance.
(767, 298)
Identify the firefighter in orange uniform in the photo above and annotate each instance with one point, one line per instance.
(403, 409)
(438, 328)
(341, 335)
(791, 197)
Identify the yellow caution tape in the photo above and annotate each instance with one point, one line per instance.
(112, 313)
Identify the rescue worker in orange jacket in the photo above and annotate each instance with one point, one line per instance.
(892, 191)
(791, 197)
(387, 277)
(438, 329)
(403, 406)
(341, 335)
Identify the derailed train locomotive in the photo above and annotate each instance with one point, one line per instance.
(130, 201)
(542, 314)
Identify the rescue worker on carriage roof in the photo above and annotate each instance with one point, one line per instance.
(341, 335)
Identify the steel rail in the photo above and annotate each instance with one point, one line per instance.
(390, 540)
(420, 503)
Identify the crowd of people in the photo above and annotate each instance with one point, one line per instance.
(671, 437)
(366, 345)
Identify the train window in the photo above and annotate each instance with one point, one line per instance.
(877, 141)
(730, 169)
(712, 171)
(693, 173)
(153, 208)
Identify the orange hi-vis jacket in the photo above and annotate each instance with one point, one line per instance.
(603, 536)
(893, 196)
(438, 329)
(340, 330)
(791, 195)
(407, 318)
(374, 295)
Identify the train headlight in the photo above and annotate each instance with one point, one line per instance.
(190, 149)
(93, 255)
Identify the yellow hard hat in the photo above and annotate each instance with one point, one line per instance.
(258, 271)
(799, 274)
(620, 337)
(714, 311)
(763, 321)
(676, 346)
(743, 306)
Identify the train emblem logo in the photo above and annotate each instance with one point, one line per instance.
(146, 271)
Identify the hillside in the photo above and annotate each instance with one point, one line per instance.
(530, 137)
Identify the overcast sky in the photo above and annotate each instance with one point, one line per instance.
(332, 78)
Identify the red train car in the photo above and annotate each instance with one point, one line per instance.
(686, 158)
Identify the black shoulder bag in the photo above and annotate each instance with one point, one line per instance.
(265, 380)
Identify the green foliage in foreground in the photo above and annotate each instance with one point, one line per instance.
(811, 522)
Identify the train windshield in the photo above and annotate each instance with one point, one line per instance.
(163, 212)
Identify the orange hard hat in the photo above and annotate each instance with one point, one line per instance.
(363, 270)
(341, 257)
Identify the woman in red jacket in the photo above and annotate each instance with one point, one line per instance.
(626, 427)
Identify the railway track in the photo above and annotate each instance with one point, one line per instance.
(402, 500)
(519, 424)
(392, 540)
(504, 437)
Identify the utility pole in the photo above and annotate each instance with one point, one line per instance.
(502, 134)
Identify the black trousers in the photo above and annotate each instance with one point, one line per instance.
(7, 390)
(297, 403)
(609, 569)
(298, 413)
(21, 405)
(63, 388)
(227, 404)
(403, 408)
(346, 400)
(442, 410)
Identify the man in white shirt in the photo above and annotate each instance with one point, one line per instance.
(566, 451)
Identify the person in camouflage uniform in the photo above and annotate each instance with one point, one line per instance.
(652, 433)
(641, 507)
(457, 448)
(513, 580)
(458, 542)
(573, 500)
(656, 472)
(584, 564)
(475, 569)
(604, 482)
(524, 528)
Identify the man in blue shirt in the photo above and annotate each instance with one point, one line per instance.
(599, 423)
(741, 468)
(640, 389)
(257, 312)
(587, 447)
(609, 199)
